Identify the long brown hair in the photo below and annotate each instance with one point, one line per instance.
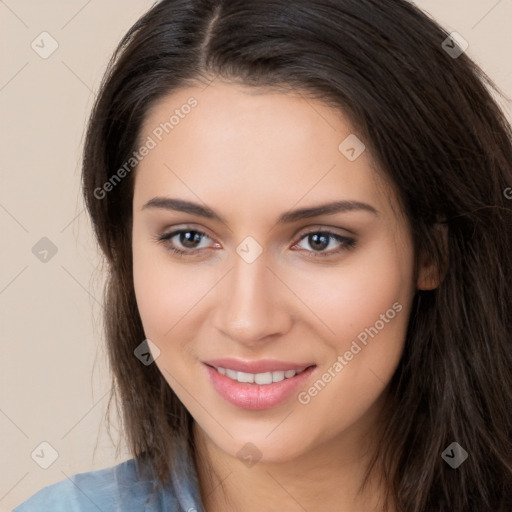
(429, 120)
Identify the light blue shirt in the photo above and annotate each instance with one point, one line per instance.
(121, 488)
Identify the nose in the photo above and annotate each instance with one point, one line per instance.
(251, 306)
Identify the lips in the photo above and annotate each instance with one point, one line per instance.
(255, 396)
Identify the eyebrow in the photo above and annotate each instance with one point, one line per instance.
(167, 203)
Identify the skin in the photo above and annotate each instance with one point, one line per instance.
(250, 155)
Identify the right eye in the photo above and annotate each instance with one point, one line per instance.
(183, 241)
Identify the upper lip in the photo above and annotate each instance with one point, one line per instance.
(261, 366)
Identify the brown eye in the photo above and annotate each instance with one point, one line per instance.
(189, 239)
(320, 241)
(183, 241)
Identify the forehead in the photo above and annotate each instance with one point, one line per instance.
(234, 145)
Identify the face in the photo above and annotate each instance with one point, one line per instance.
(262, 246)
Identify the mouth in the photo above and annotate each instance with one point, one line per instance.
(257, 389)
(263, 378)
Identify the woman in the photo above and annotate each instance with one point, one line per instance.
(305, 207)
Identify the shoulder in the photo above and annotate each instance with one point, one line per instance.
(121, 487)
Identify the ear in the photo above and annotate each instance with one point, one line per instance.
(431, 272)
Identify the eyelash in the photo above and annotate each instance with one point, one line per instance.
(345, 242)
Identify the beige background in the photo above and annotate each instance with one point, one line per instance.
(54, 376)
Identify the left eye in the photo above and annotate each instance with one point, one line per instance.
(320, 241)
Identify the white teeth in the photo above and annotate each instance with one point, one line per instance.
(245, 377)
(231, 374)
(263, 378)
(279, 376)
(258, 378)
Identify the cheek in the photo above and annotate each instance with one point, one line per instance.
(168, 293)
(354, 296)
(150, 290)
(157, 290)
(366, 306)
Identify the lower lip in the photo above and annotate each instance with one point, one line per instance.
(256, 396)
